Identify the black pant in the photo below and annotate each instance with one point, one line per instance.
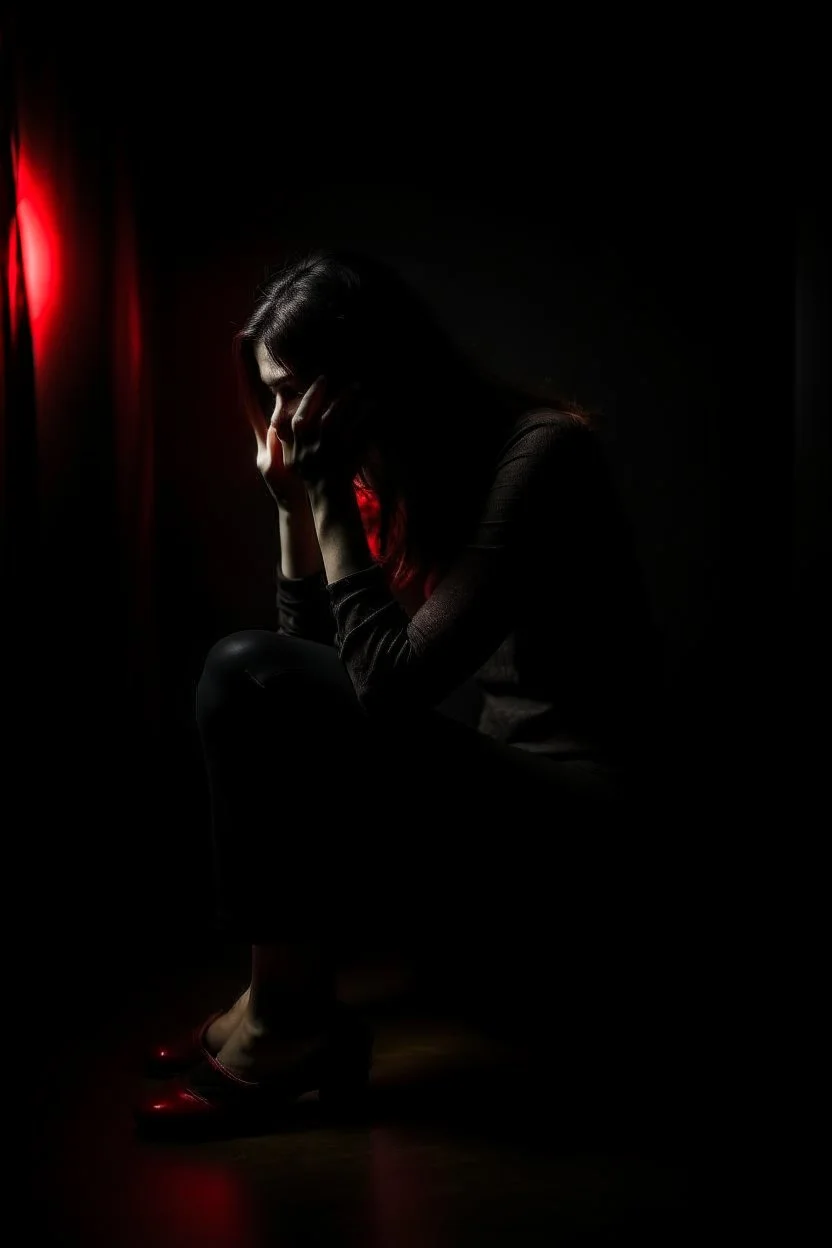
(325, 818)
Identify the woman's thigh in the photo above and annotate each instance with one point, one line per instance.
(425, 750)
(457, 824)
(414, 808)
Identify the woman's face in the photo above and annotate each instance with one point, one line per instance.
(286, 390)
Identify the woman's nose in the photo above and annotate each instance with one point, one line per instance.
(281, 419)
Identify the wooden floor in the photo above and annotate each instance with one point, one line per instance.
(487, 1123)
(529, 1088)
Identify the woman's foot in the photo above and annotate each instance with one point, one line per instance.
(258, 1050)
(263, 1069)
(204, 1040)
(220, 1031)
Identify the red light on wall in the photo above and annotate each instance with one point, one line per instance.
(16, 291)
(39, 245)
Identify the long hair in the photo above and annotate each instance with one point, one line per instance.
(435, 418)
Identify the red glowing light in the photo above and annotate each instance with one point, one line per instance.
(16, 292)
(37, 258)
(35, 223)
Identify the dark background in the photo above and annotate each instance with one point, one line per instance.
(621, 213)
(595, 229)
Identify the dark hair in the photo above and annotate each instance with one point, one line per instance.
(435, 417)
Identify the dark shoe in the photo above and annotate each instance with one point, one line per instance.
(210, 1100)
(173, 1059)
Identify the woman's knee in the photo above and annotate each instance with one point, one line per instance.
(246, 664)
(226, 672)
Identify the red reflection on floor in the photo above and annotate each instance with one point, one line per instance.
(405, 1211)
(195, 1202)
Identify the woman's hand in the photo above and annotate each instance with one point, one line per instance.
(323, 443)
(282, 479)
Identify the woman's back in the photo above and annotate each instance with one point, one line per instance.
(544, 607)
(579, 671)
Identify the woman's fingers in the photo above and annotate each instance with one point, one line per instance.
(344, 413)
(282, 423)
(305, 417)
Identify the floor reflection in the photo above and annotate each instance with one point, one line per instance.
(454, 1149)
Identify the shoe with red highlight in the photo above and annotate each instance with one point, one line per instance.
(186, 1051)
(211, 1100)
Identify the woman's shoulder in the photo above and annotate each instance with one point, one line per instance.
(541, 428)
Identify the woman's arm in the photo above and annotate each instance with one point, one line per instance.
(300, 553)
(339, 530)
(396, 661)
(303, 606)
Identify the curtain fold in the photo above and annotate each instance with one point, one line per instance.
(77, 421)
(133, 448)
(18, 413)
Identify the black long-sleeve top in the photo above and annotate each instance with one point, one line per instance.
(544, 609)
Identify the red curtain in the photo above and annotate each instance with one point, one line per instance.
(18, 429)
(77, 428)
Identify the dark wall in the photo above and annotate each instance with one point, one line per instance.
(614, 257)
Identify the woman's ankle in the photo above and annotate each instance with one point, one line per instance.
(278, 1011)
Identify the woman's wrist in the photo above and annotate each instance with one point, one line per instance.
(340, 529)
(293, 502)
(330, 497)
